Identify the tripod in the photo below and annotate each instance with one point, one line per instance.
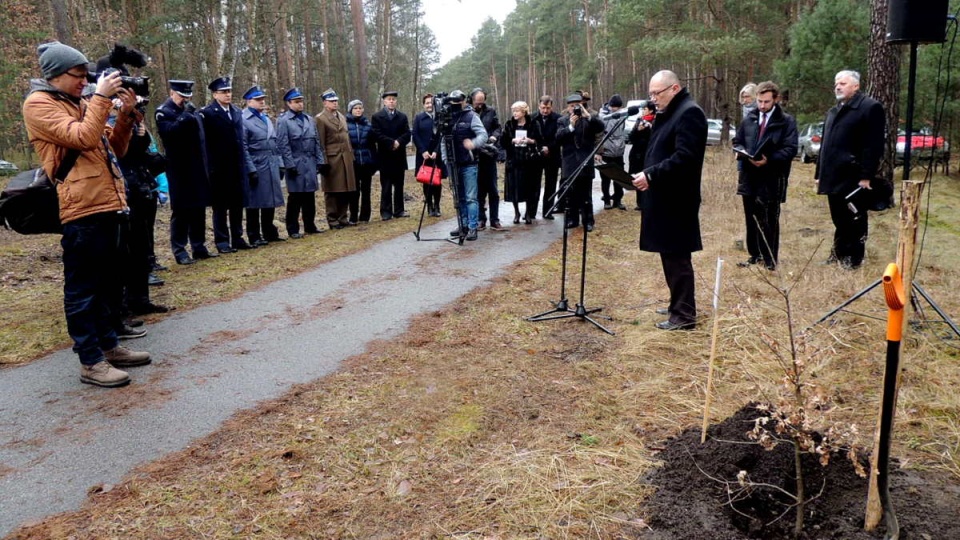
(447, 140)
(561, 308)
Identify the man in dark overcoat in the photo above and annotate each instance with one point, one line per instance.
(850, 155)
(339, 181)
(770, 135)
(391, 130)
(549, 164)
(223, 125)
(181, 131)
(577, 132)
(670, 219)
(302, 155)
(488, 189)
(263, 191)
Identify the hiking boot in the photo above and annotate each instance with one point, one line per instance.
(128, 332)
(103, 374)
(120, 356)
(472, 235)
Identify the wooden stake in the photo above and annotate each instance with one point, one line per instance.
(713, 351)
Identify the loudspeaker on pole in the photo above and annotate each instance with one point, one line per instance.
(920, 21)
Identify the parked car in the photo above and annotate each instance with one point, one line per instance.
(8, 168)
(631, 120)
(715, 128)
(809, 142)
(923, 146)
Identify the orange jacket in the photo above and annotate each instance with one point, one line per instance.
(55, 123)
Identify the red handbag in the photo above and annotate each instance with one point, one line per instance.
(429, 174)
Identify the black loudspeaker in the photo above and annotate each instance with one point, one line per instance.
(922, 21)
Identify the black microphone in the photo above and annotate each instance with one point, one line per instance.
(633, 110)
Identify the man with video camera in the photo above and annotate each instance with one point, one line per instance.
(468, 136)
(577, 133)
(93, 206)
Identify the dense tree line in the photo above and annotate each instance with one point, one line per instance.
(361, 47)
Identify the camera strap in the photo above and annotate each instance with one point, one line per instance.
(69, 160)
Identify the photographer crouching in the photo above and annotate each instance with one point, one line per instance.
(93, 204)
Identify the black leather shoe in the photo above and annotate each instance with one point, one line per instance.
(620, 206)
(402, 214)
(154, 281)
(148, 308)
(313, 231)
(482, 226)
(204, 255)
(669, 325)
(588, 227)
(274, 239)
(243, 245)
(749, 262)
(663, 311)
(184, 259)
(296, 235)
(224, 250)
(385, 217)
(260, 242)
(157, 267)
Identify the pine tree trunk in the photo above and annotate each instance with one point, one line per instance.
(363, 59)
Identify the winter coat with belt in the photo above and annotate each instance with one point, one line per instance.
(332, 132)
(260, 143)
(300, 148)
(778, 145)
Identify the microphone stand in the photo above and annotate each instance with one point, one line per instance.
(561, 308)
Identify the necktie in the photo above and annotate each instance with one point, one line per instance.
(763, 125)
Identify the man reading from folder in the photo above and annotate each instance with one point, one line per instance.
(766, 144)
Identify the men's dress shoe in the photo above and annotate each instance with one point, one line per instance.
(670, 325)
(482, 226)
(225, 250)
(770, 266)
(496, 225)
(403, 214)
(351, 224)
(126, 332)
(121, 356)
(749, 262)
(663, 311)
(103, 374)
(259, 242)
(274, 239)
(296, 235)
(184, 259)
(472, 235)
(148, 308)
(243, 245)
(155, 281)
(386, 217)
(204, 255)
(313, 231)
(588, 227)
(608, 206)
(157, 267)
(337, 226)
(621, 206)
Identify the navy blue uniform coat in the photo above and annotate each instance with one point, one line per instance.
(224, 137)
(186, 150)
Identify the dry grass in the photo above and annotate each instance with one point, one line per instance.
(31, 275)
(478, 424)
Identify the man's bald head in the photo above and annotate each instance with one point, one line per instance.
(664, 85)
(666, 77)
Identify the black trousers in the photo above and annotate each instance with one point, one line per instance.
(579, 202)
(139, 241)
(678, 271)
(551, 171)
(431, 194)
(763, 229)
(260, 224)
(188, 223)
(605, 182)
(227, 235)
(487, 188)
(305, 203)
(360, 202)
(150, 215)
(391, 191)
(850, 237)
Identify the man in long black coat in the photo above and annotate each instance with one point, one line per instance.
(849, 158)
(577, 133)
(670, 219)
(549, 164)
(391, 131)
(770, 135)
(223, 125)
(181, 131)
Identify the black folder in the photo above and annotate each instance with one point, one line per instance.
(615, 172)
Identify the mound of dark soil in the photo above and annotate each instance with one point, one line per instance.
(697, 482)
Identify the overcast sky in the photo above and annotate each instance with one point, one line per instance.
(455, 23)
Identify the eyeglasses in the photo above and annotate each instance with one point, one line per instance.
(75, 76)
(654, 95)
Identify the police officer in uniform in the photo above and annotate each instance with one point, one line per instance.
(223, 125)
(302, 156)
(181, 131)
(264, 193)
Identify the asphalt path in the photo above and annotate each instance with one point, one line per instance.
(60, 438)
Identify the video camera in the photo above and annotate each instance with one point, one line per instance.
(120, 57)
(443, 112)
(138, 85)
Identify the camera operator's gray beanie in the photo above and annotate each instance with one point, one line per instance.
(57, 58)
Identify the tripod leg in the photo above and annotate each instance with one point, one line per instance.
(849, 301)
(919, 290)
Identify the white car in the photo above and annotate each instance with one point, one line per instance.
(714, 128)
(631, 120)
(8, 168)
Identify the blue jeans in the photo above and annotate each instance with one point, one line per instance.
(467, 193)
(91, 284)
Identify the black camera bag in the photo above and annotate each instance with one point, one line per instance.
(29, 204)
